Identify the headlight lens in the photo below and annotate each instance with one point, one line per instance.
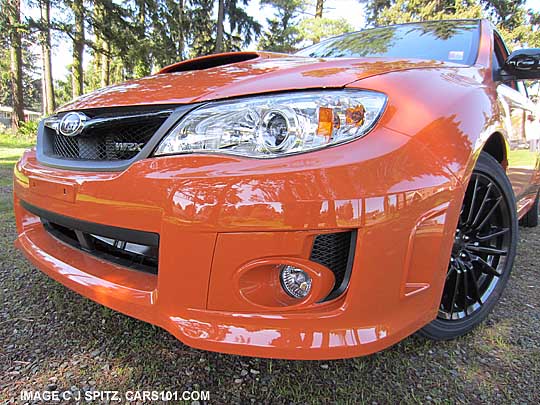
(277, 125)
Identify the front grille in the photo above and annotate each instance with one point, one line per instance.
(335, 251)
(111, 142)
(136, 250)
(105, 137)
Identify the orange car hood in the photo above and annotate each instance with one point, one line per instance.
(266, 72)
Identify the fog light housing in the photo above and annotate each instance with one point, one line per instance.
(295, 282)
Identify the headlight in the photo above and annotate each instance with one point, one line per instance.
(277, 125)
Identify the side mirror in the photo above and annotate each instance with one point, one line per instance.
(524, 64)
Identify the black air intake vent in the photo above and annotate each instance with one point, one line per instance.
(133, 249)
(335, 251)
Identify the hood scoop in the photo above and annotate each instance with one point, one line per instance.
(210, 61)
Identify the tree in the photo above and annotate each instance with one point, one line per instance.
(16, 67)
(243, 28)
(319, 8)
(220, 27)
(201, 39)
(78, 47)
(373, 9)
(402, 11)
(518, 26)
(282, 34)
(168, 30)
(314, 29)
(507, 14)
(45, 37)
(120, 48)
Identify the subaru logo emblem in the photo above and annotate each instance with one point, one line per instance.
(72, 123)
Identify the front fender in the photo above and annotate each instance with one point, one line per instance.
(450, 111)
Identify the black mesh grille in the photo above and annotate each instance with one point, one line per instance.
(335, 251)
(114, 140)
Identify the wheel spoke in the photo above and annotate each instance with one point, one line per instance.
(490, 236)
(488, 250)
(454, 296)
(473, 200)
(485, 267)
(476, 287)
(465, 288)
(482, 205)
(451, 270)
(490, 213)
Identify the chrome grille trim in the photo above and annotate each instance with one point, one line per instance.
(54, 121)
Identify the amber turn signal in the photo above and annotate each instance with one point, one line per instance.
(326, 122)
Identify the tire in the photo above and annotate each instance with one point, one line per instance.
(530, 219)
(483, 253)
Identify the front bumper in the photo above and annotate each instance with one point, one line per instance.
(215, 214)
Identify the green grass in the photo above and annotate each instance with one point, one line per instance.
(9, 141)
(11, 149)
(521, 158)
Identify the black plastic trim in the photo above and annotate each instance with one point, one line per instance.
(338, 290)
(110, 253)
(112, 232)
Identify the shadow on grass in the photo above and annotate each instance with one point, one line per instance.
(10, 144)
(7, 162)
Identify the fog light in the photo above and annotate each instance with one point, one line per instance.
(295, 282)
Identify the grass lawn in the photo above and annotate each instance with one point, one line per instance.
(11, 149)
(53, 339)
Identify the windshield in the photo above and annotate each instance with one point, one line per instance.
(448, 41)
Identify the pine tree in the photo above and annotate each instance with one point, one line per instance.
(319, 7)
(202, 26)
(282, 34)
(219, 24)
(13, 8)
(78, 35)
(243, 28)
(45, 39)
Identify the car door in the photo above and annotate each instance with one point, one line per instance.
(519, 113)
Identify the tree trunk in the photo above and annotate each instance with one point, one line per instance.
(16, 74)
(141, 66)
(78, 48)
(105, 65)
(97, 60)
(318, 14)
(221, 18)
(98, 44)
(181, 38)
(319, 8)
(48, 86)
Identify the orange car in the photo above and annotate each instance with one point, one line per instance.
(312, 206)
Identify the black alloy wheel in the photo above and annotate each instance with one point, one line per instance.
(482, 255)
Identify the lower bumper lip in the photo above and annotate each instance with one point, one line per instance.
(261, 335)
